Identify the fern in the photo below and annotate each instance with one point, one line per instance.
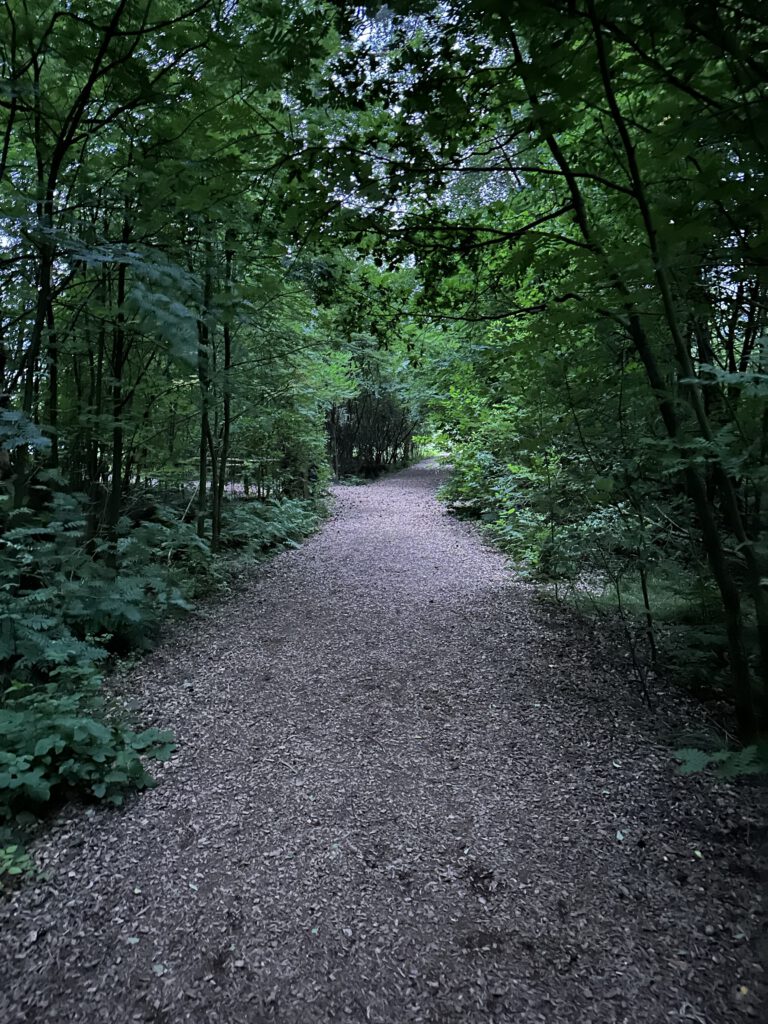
(258, 526)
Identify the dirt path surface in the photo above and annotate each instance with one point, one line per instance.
(405, 792)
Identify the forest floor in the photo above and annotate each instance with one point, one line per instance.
(406, 791)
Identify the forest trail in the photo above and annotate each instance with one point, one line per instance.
(405, 792)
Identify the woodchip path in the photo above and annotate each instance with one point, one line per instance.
(405, 792)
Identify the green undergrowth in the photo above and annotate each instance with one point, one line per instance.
(687, 623)
(650, 591)
(15, 861)
(254, 529)
(70, 606)
(57, 745)
(728, 764)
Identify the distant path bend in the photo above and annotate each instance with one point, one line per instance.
(405, 793)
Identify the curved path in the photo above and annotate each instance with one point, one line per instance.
(405, 793)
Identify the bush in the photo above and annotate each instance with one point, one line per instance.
(54, 745)
(470, 487)
(66, 602)
(728, 764)
(607, 547)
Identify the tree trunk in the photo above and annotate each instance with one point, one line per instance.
(204, 379)
(226, 424)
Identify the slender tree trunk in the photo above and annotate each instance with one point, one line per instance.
(215, 493)
(90, 429)
(53, 389)
(32, 356)
(226, 424)
(119, 356)
(204, 379)
(202, 476)
(114, 501)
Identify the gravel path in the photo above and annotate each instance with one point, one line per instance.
(405, 792)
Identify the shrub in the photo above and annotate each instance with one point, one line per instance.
(54, 744)
(66, 603)
(751, 760)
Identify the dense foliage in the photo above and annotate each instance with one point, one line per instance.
(245, 246)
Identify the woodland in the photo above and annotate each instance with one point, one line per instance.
(247, 247)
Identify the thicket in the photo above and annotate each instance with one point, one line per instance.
(373, 431)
